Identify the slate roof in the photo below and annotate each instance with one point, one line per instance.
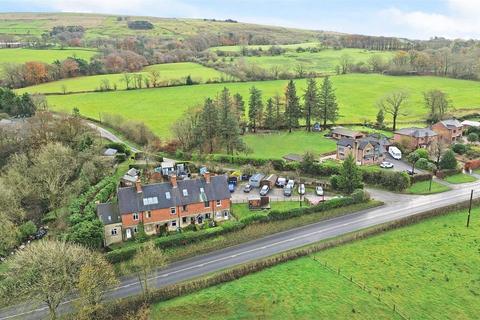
(378, 141)
(451, 123)
(417, 132)
(346, 132)
(130, 201)
(108, 213)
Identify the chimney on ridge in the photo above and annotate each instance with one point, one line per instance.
(173, 180)
(138, 185)
(207, 177)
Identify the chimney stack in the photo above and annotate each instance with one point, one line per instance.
(173, 180)
(207, 176)
(138, 185)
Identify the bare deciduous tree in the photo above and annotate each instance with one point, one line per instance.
(392, 104)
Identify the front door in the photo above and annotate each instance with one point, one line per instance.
(128, 233)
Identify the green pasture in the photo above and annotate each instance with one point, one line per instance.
(357, 95)
(170, 73)
(279, 144)
(324, 61)
(429, 270)
(287, 47)
(22, 55)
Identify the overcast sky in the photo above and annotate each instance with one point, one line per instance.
(420, 19)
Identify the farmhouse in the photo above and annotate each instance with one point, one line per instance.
(449, 131)
(368, 150)
(165, 206)
(344, 133)
(415, 137)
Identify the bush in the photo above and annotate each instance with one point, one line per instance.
(459, 148)
(422, 153)
(448, 160)
(472, 137)
(120, 147)
(391, 180)
(27, 230)
(423, 164)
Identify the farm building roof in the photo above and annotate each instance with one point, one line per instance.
(451, 123)
(417, 132)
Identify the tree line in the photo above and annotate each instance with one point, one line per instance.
(218, 124)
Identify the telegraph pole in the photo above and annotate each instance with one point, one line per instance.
(470, 208)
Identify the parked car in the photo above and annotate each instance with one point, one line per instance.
(287, 191)
(319, 191)
(395, 152)
(231, 187)
(301, 189)
(264, 191)
(291, 183)
(386, 165)
(245, 177)
(281, 182)
(410, 172)
(248, 187)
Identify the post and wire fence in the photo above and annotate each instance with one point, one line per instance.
(336, 270)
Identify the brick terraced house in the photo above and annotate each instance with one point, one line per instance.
(449, 131)
(165, 206)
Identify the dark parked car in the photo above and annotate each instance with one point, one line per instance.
(245, 177)
(410, 172)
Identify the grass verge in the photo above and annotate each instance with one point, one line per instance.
(460, 178)
(423, 187)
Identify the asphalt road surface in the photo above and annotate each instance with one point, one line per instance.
(400, 206)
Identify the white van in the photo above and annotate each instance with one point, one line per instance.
(395, 152)
(255, 180)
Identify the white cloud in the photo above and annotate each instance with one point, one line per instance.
(461, 21)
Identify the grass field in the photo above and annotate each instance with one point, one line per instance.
(460, 178)
(288, 47)
(429, 270)
(241, 210)
(277, 145)
(423, 187)
(324, 61)
(169, 73)
(43, 55)
(356, 94)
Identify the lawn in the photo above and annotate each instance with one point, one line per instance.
(423, 187)
(356, 94)
(170, 73)
(428, 270)
(241, 210)
(43, 55)
(460, 178)
(277, 145)
(324, 61)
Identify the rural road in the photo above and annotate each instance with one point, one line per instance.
(104, 133)
(399, 206)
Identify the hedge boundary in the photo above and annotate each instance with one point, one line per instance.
(189, 237)
(133, 304)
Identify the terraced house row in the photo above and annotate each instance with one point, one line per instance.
(165, 206)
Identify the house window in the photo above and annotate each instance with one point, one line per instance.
(184, 207)
(135, 230)
(207, 215)
(149, 214)
(219, 203)
(206, 204)
(173, 223)
(225, 214)
(135, 216)
(114, 231)
(173, 210)
(184, 220)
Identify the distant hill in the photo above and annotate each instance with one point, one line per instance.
(21, 26)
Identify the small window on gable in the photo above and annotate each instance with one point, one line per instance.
(185, 192)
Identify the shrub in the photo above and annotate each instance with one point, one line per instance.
(423, 163)
(391, 180)
(472, 137)
(422, 153)
(459, 148)
(26, 230)
(120, 147)
(448, 160)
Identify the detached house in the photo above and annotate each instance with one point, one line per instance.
(415, 138)
(368, 150)
(165, 206)
(344, 133)
(449, 131)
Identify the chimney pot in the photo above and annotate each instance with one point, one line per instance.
(207, 177)
(138, 185)
(173, 180)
